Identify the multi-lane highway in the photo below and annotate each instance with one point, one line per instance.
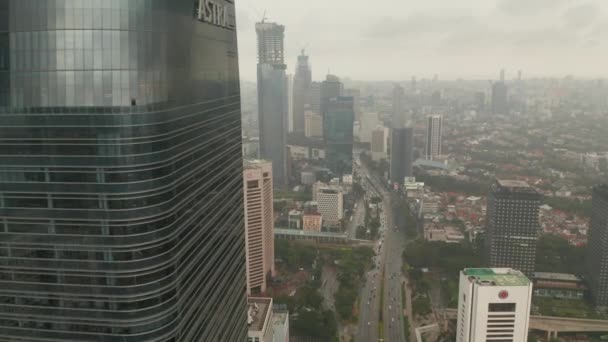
(387, 264)
(393, 311)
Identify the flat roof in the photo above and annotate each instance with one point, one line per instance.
(259, 309)
(496, 276)
(556, 276)
(513, 183)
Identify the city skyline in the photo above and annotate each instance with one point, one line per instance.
(471, 39)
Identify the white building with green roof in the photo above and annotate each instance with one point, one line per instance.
(493, 305)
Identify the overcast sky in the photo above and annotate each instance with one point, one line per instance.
(398, 39)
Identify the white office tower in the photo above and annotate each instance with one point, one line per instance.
(330, 204)
(493, 305)
(434, 130)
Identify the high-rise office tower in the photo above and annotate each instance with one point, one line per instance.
(330, 203)
(272, 99)
(480, 101)
(402, 154)
(315, 97)
(290, 103)
(502, 75)
(301, 92)
(330, 88)
(512, 226)
(121, 198)
(338, 128)
(356, 95)
(500, 104)
(368, 121)
(259, 224)
(399, 119)
(433, 136)
(313, 125)
(597, 248)
(493, 305)
(379, 143)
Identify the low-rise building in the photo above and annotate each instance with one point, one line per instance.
(259, 319)
(307, 177)
(294, 219)
(558, 285)
(312, 222)
(280, 325)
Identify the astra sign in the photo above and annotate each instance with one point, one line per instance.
(214, 13)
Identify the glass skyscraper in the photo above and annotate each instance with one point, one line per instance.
(272, 99)
(338, 132)
(120, 172)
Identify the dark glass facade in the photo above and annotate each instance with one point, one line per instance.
(402, 154)
(120, 172)
(512, 226)
(272, 99)
(338, 132)
(597, 248)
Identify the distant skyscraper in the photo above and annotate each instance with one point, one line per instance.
(480, 101)
(512, 226)
(313, 125)
(519, 76)
(434, 130)
(436, 98)
(259, 224)
(597, 248)
(315, 97)
(398, 107)
(402, 154)
(290, 103)
(356, 95)
(301, 91)
(500, 104)
(121, 192)
(338, 127)
(379, 144)
(493, 305)
(272, 99)
(330, 88)
(502, 75)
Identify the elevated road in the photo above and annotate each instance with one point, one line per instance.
(555, 325)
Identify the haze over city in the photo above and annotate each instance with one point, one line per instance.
(469, 39)
(303, 171)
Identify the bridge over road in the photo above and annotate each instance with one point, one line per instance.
(554, 325)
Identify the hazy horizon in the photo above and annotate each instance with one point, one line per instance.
(397, 39)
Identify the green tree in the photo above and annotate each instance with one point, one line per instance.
(556, 254)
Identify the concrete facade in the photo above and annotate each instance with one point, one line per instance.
(259, 224)
(493, 305)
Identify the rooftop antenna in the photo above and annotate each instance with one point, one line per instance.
(264, 17)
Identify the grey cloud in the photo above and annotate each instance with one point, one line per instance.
(529, 7)
(417, 24)
(581, 16)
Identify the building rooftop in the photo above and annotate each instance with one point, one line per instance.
(556, 276)
(513, 187)
(513, 184)
(258, 312)
(496, 276)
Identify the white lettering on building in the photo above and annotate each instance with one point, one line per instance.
(214, 13)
